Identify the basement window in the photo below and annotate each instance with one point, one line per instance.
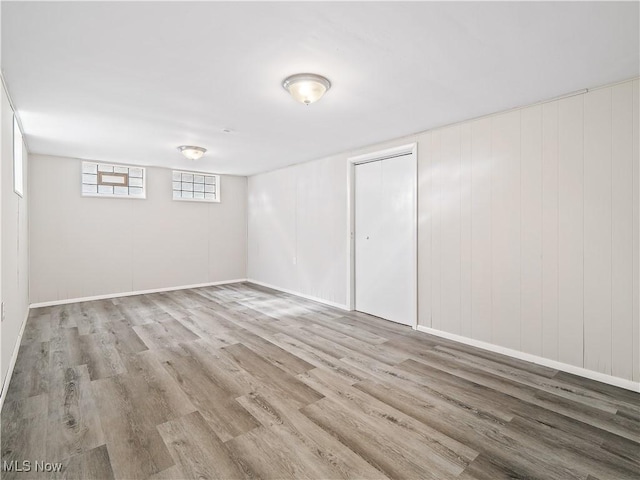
(115, 181)
(18, 161)
(196, 187)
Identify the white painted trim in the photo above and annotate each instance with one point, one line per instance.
(407, 149)
(414, 296)
(582, 372)
(351, 274)
(298, 294)
(12, 363)
(130, 294)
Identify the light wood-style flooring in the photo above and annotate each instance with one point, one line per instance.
(239, 381)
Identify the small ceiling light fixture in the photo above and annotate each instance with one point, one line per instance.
(192, 152)
(306, 87)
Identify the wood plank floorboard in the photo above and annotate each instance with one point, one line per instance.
(62, 316)
(300, 432)
(272, 353)
(390, 420)
(30, 376)
(587, 414)
(221, 369)
(101, 356)
(241, 381)
(550, 385)
(129, 422)
(196, 449)
(24, 434)
(270, 376)
(227, 418)
(93, 464)
(316, 357)
(74, 424)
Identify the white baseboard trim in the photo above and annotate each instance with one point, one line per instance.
(582, 372)
(298, 294)
(12, 362)
(130, 294)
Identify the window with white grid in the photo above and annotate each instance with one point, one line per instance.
(196, 187)
(116, 181)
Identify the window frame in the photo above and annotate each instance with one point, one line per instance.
(18, 158)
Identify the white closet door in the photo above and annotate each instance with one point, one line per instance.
(385, 239)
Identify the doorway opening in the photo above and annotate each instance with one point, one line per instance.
(382, 226)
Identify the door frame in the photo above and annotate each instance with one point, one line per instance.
(388, 153)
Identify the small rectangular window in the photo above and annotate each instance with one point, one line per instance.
(195, 187)
(18, 185)
(116, 181)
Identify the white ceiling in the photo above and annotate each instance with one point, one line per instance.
(129, 82)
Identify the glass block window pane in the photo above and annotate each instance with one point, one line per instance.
(135, 182)
(89, 178)
(90, 168)
(193, 186)
(125, 182)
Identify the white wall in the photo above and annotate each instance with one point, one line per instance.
(83, 246)
(297, 229)
(15, 259)
(528, 229)
(539, 204)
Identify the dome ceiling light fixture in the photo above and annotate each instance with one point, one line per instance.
(192, 152)
(306, 87)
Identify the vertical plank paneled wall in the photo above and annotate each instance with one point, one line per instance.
(529, 230)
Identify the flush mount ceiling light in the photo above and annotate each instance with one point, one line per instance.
(192, 152)
(306, 87)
